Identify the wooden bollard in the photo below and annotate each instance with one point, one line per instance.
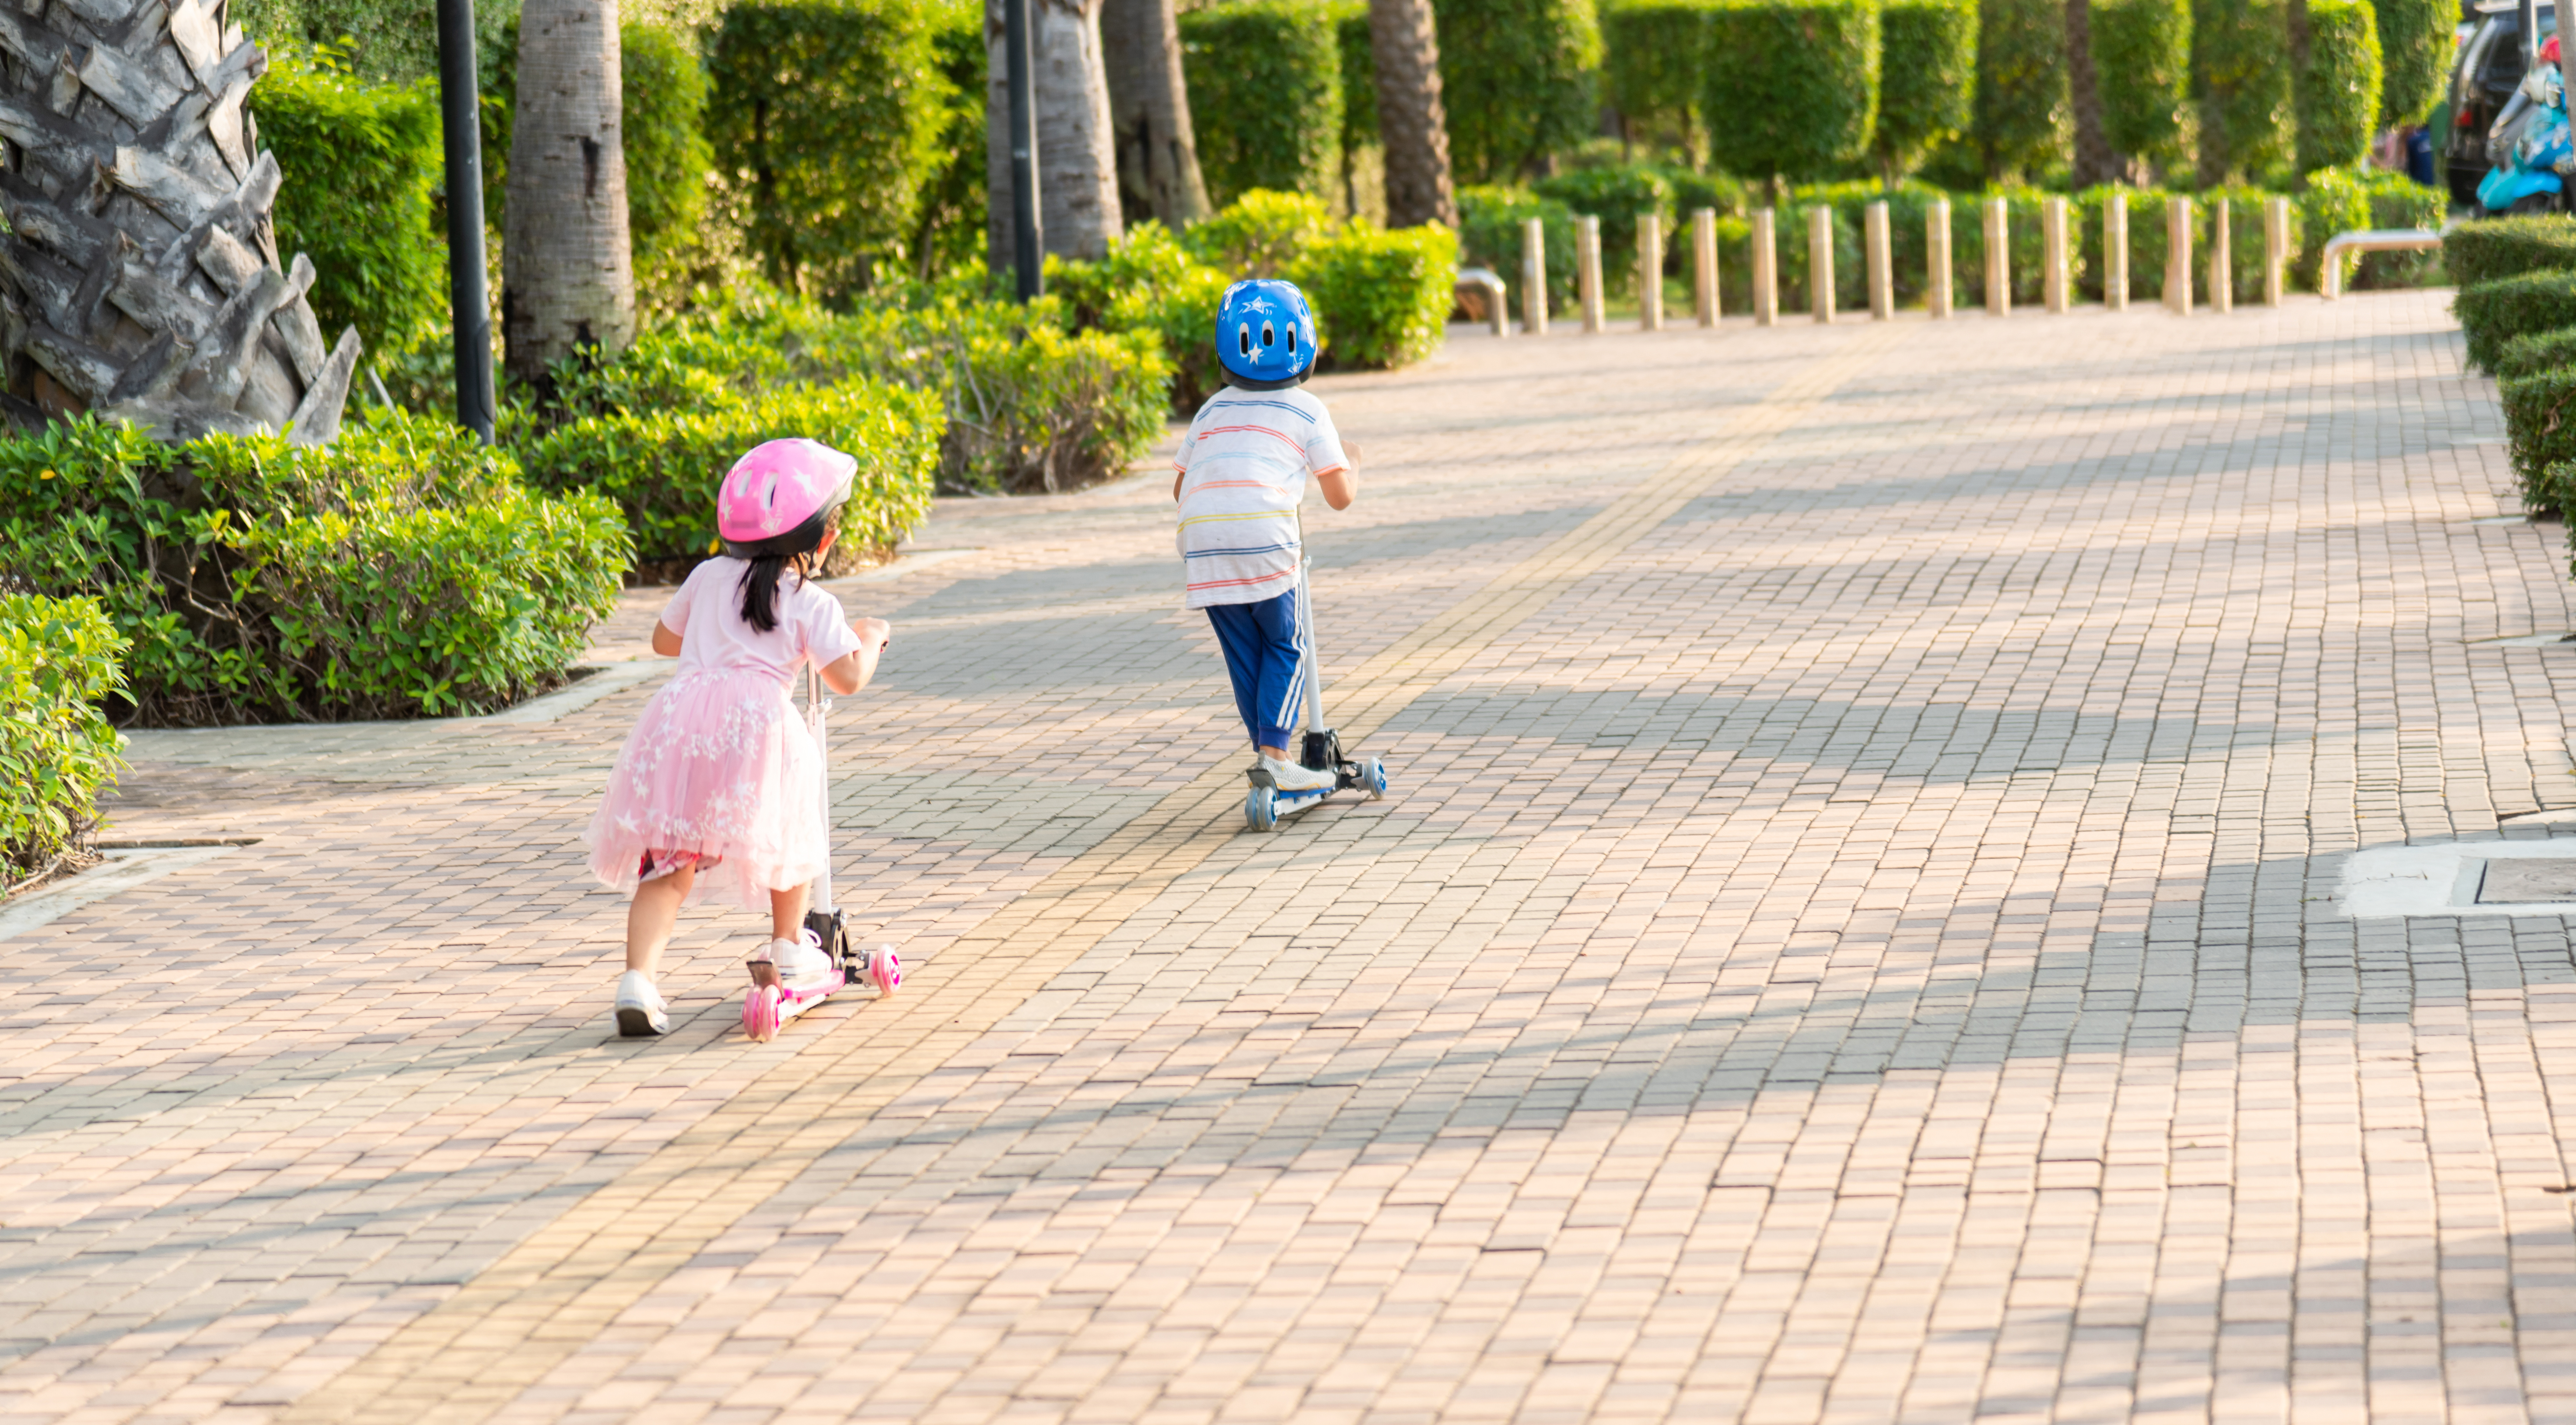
(1936, 258)
(1820, 262)
(1882, 274)
(1587, 271)
(1704, 264)
(1766, 270)
(2222, 269)
(2052, 231)
(1998, 258)
(2178, 256)
(2115, 252)
(2276, 247)
(1534, 277)
(1650, 271)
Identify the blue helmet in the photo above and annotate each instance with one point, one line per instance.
(1265, 334)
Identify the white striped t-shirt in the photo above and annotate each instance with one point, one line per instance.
(1243, 469)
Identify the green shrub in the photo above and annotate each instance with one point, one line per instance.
(2540, 429)
(57, 751)
(1517, 82)
(2339, 90)
(1260, 234)
(2483, 251)
(825, 112)
(2142, 69)
(1930, 96)
(1359, 77)
(2148, 244)
(2021, 124)
(1382, 297)
(2493, 313)
(360, 162)
(2534, 352)
(2396, 201)
(2245, 252)
(1265, 81)
(948, 226)
(662, 120)
(1650, 66)
(1490, 220)
(2415, 48)
(1694, 191)
(2240, 74)
(2333, 201)
(401, 571)
(1616, 194)
(1790, 87)
(1149, 282)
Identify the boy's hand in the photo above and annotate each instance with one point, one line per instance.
(1351, 453)
(873, 632)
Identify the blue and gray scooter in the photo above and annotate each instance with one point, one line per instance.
(2532, 138)
(1320, 749)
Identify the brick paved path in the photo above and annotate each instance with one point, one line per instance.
(1855, 940)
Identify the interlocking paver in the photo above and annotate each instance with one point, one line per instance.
(1854, 940)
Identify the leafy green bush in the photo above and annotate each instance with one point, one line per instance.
(401, 571)
(1359, 78)
(57, 751)
(2483, 251)
(2540, 429)
(1651, 52)
(2334, 201)
(1260, 234)
(1150, 283)
(2493, 313)
(1265, 81)
(2142, 70)
(662, 121)
(2534, 352)
(2397, 201)
(1929, 96)
(824, 112)
(1517, 81)
(2240, 74)
(2415, 48)
(1615, 193)
(360, 162)
(1382, 297)
(948, 226)
(1490, 219)
(2339, 90)
(1694, 191)
(2021, 124)
(1790, 87)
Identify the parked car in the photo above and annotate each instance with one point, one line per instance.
(2483, 80)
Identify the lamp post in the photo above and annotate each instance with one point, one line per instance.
(1028, 250)
(460, 117)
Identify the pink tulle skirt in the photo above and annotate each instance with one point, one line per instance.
(720, 765)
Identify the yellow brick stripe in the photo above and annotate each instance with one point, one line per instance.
(504, 1331)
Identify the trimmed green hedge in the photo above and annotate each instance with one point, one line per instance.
(1651, 53)
(1266, 98)
(402, 571)
(1382, 297)
(663, 123)
(1359, 77)
(360, 163)
(1490, 219)
(2339, 91)
(825, 113)
(2540, 428)
(2415, 47)
(1790, 87)
(2240, 73)
(2534, 352)
(1150, 283)
(1260, 234)
(2021, 124)
(2490, 248)
(1931, 96)
(1517, 80)
(1616, 194)
(2142, 68)
(2493, 313)
(58, 663)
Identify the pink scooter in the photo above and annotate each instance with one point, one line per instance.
(773, 1000)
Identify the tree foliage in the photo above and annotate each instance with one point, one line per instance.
(1790, 87)
(1517, 78)
(1265, 81)
(663, 121)
(2339, 88)
(1928, 94)
(2240, 78)
(2142, 65)
(2415, 56)
(1651, 53)
(360, 163)
(2021, 123)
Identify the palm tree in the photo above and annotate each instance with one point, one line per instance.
(567, 271)
(141, 279)
(1078, 209)
(1149, 110)
(1410, 122)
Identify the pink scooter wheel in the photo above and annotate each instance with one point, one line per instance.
(760, 1017)
(885, 971)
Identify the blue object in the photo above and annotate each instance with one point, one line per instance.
(2419, 156)
(1267, 664)
(2530, 167)
(1265, 334)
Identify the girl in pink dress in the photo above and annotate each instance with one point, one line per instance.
(720, 786)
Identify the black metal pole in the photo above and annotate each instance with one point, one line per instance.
(1028, 240)
(460, 104)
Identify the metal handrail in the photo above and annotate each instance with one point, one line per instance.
(1497, 311)
(2330, 283)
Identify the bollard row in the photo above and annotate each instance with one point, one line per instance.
(2056, 271)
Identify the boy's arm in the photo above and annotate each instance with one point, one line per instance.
(1342, 486)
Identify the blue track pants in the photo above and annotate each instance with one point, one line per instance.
(1268, 668)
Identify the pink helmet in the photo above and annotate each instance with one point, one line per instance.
(776, 499)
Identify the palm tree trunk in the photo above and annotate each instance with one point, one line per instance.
(2094, 160)
(1410, 122)
(567, 272)
(1149, 107)
(1077, 160)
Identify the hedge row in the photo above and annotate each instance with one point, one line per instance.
(1266, 96)
(2339, 89)
(1931, 96)
(1517, 81)
(2493, 313)
(2481, 252)
(360, 163)
(402, 571)
(58, 663)
(2142, 71)
(1790, 87)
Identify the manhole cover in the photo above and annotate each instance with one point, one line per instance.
(2527, 881)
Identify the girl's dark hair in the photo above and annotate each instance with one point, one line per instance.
(759, 583)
